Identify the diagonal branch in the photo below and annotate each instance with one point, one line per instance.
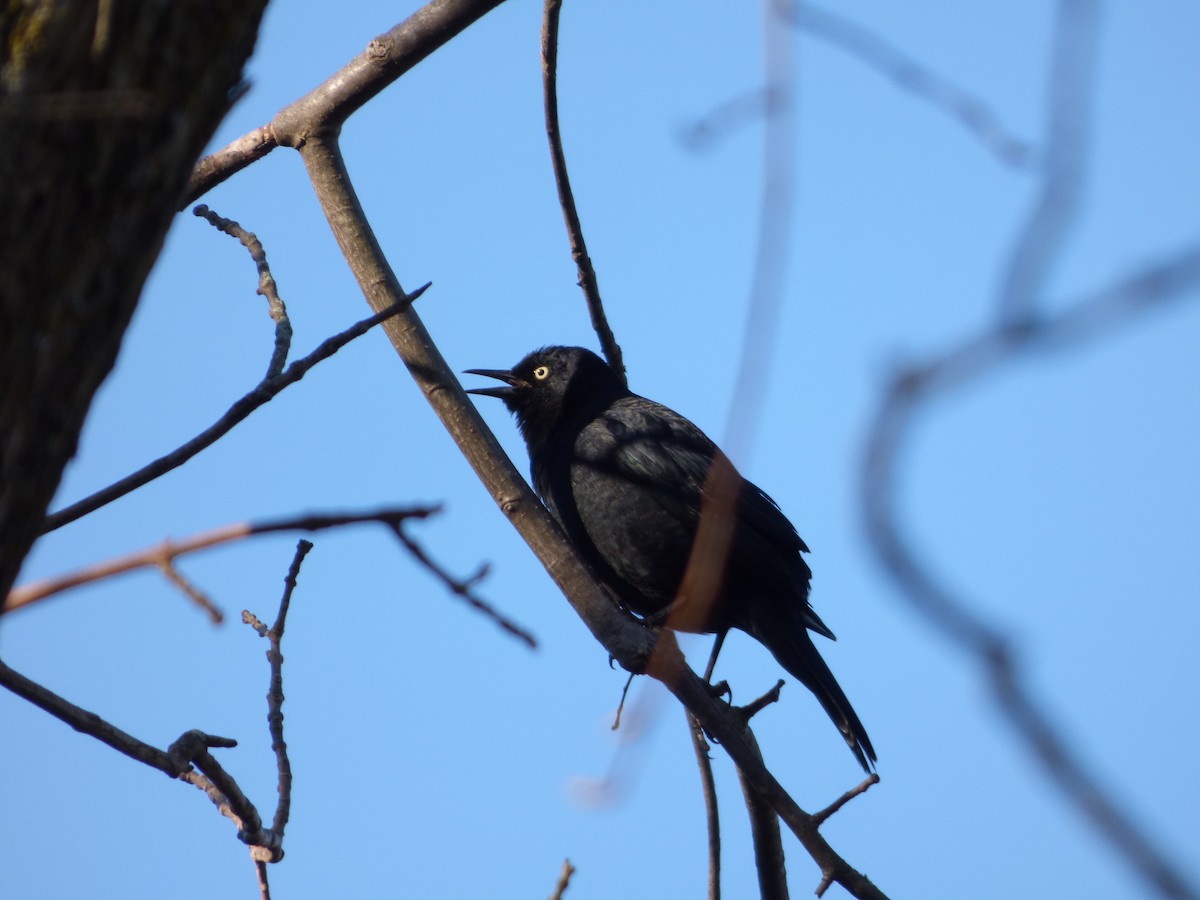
(265, 391)
(635, 647)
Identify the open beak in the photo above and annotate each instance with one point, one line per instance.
(511, 383)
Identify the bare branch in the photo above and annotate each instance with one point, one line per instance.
(907, 73)
(386, 58)
(193, 593)
(564, 879)
(191, 747)
(275, 695)
(229, 160)
(1019, 329)
(87, 722)
(911, 393)
(259, 396)
(769, 859)
(266, 285)
(168, 551)
(566, 198)
(841, 801)
(461, 588)
(711, 812)
(630, 643)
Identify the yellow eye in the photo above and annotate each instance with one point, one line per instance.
(541, 373)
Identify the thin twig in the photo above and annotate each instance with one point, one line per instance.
(168, 551)
(863, 787)
(464, 588)
(259, 396)
(275, 694)
(87, 722)
(756, 706)
(708, 787)
(167, 566)
(566, 198)
(564, 880)
(266, 285)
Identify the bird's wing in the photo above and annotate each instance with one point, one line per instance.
(657, 448)
(768, 552)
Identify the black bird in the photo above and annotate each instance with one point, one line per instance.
(625, 477)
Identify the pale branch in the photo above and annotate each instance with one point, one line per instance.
(386, 58)
(637, 648)
(166, 552)
(166, 565)
(169, 551)
(445, 394)
(1023, 324)
(912, 76)
(566, 197)
(264, 392)
(266, 285)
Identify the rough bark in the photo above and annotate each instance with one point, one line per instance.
(104, 109)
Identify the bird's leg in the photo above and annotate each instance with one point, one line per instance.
(712, 659)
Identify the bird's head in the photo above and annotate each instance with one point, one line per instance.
(551, 387)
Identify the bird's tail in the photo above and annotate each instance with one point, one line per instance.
(791, 646)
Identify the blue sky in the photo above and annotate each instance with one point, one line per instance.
(436, 757)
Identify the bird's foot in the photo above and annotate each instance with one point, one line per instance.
(722, 689)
